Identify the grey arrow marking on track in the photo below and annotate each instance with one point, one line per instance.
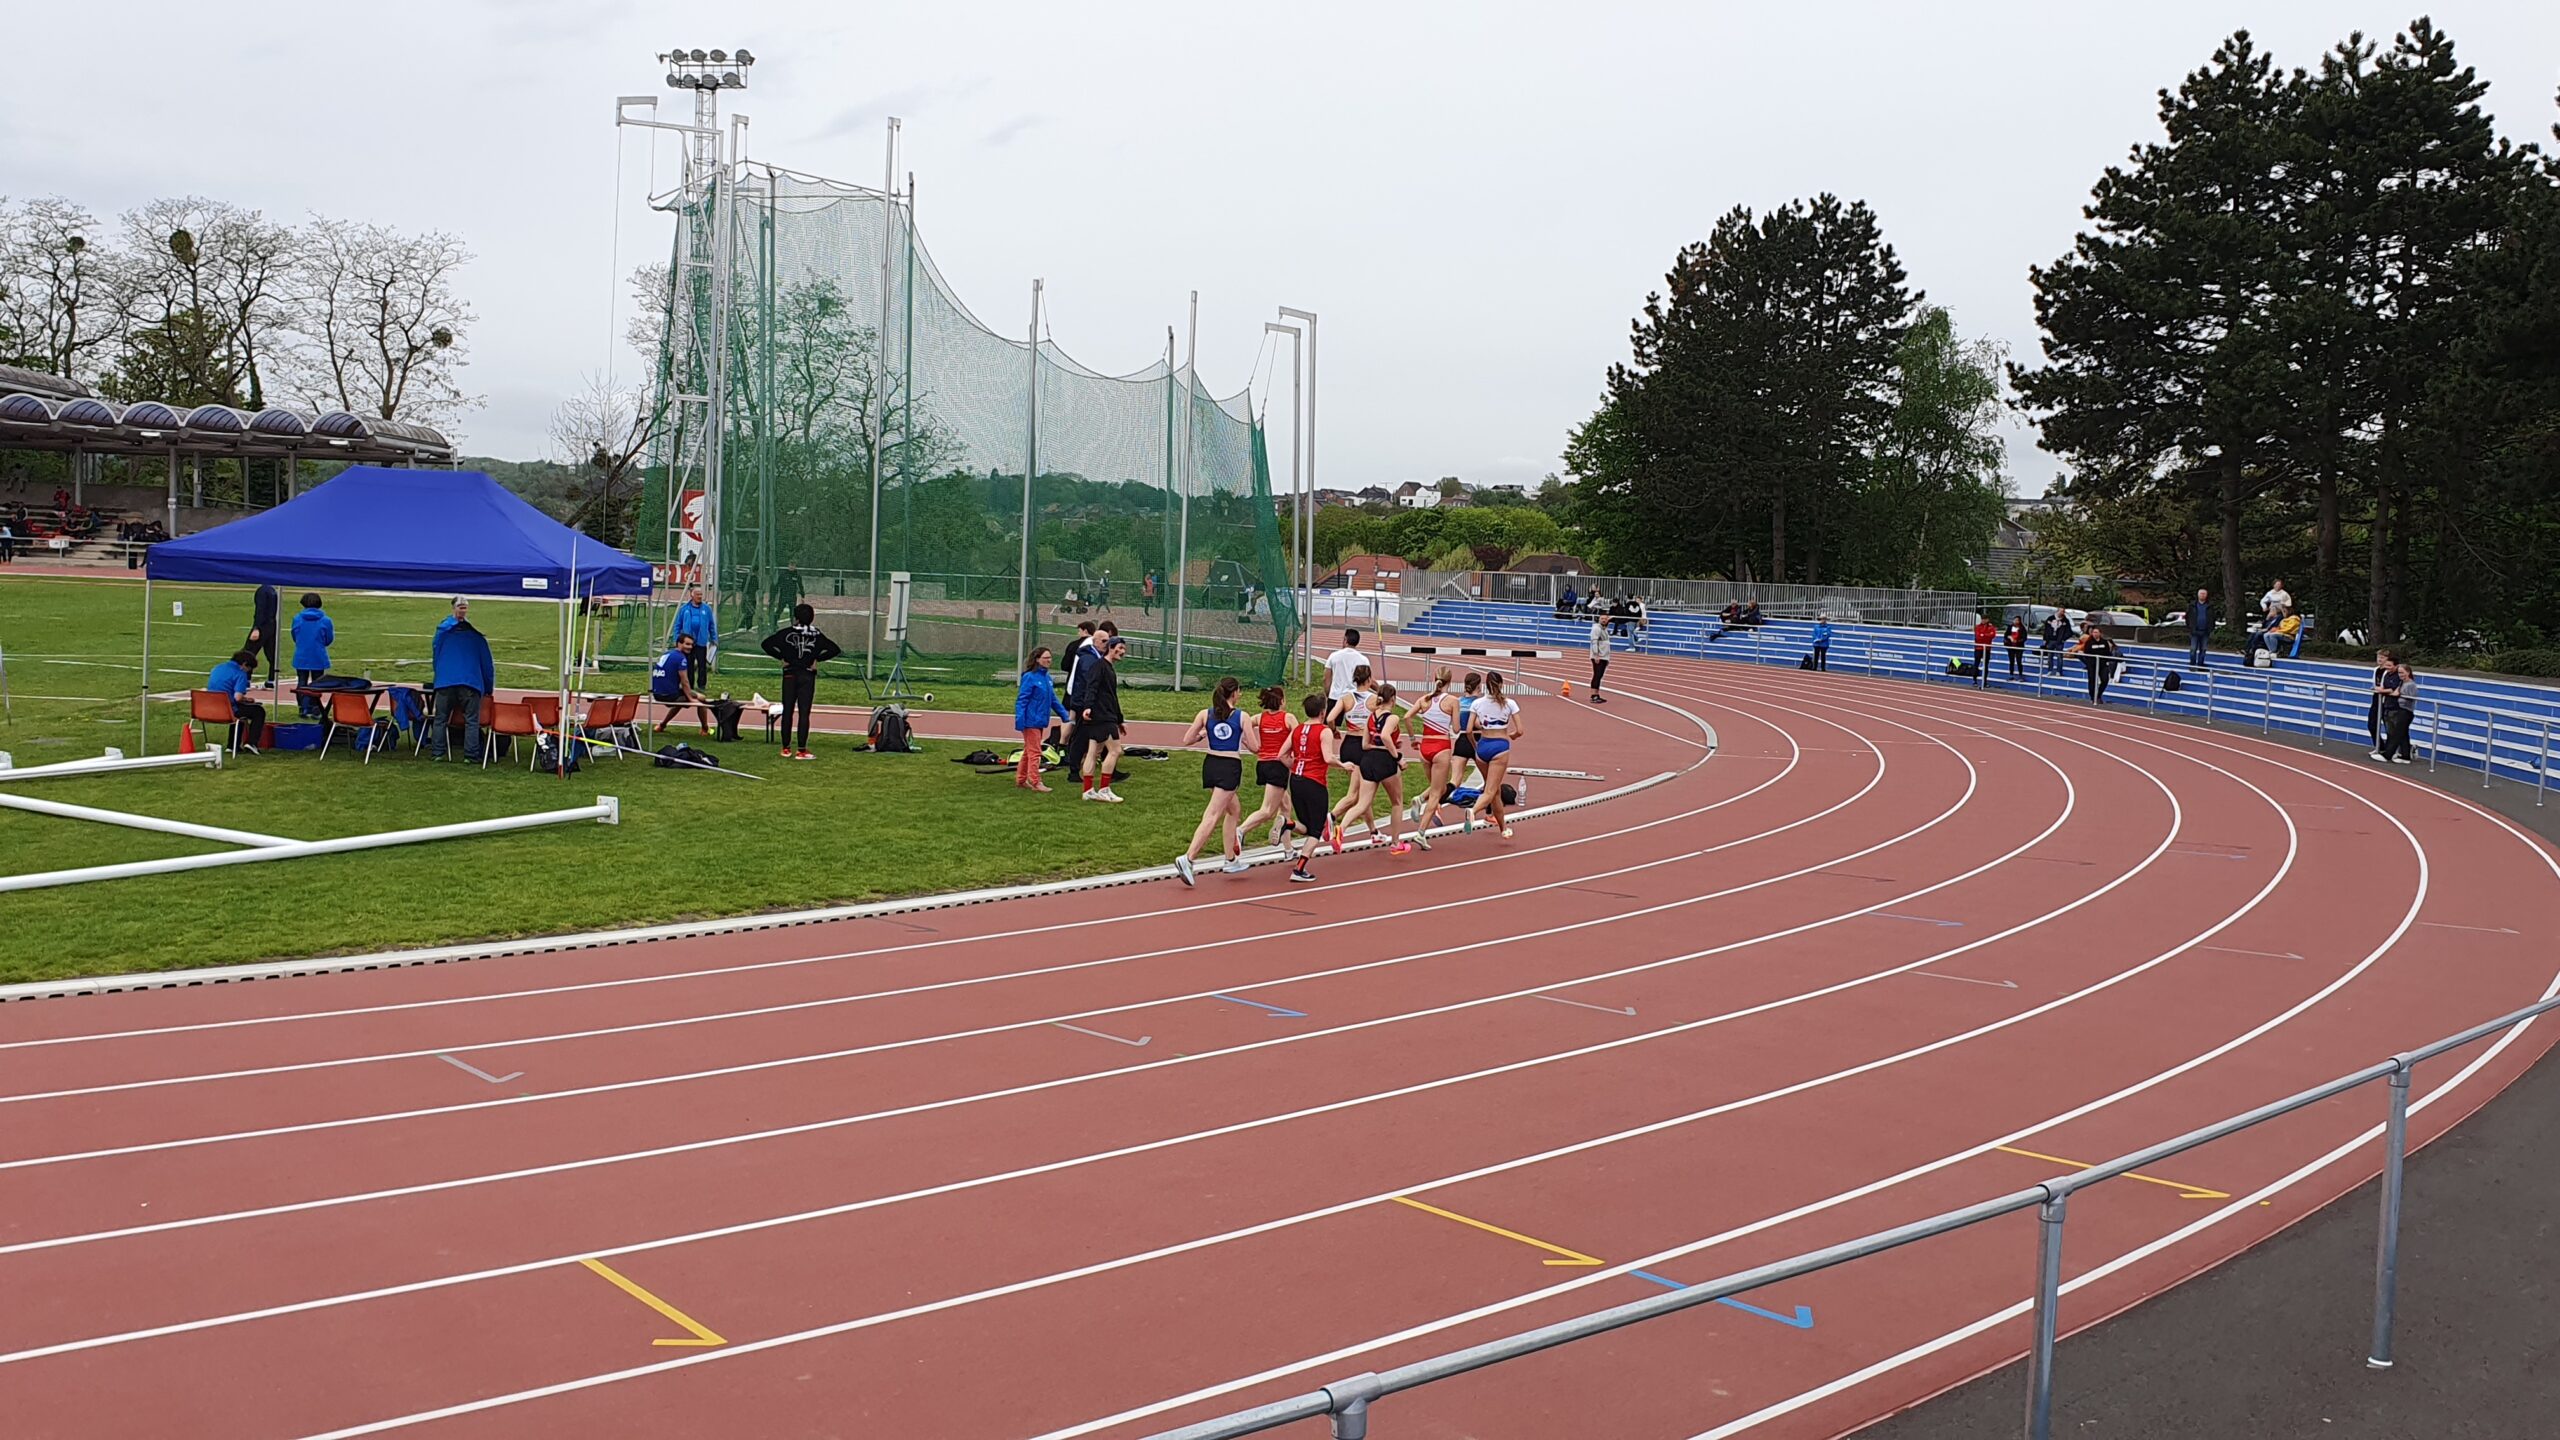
(1098, 1035)
(1595, 890)
(476, 1070)
(1967, 979)
(2268, 954)
(1580, 1005)
(2483, 929)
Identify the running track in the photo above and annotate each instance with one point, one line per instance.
(1881, 932)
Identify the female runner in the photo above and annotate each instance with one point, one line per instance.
(1312, 755)
(1440, 725)
(1384, 755)
(1270, 770)
(1496, 723)
(1221, 771)
(1350, 717)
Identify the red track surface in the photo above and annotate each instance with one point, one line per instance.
(869, 1157)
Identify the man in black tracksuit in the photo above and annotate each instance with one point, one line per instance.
(1094, 700)
(801, 647)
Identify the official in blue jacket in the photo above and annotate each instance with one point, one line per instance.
(312, 637)
(1035, 704)
(694, 619)
(1822, 643)
(464, 676)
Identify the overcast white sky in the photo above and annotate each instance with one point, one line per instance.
(1475, 197)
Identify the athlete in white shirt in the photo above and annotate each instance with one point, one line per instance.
(1339, 665)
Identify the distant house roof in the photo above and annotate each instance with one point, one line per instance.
(1373, 572)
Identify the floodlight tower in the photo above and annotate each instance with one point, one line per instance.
(692, 364)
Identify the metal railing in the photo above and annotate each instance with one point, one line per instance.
(1348, 1402)
(2514, 740)
(1869, 603)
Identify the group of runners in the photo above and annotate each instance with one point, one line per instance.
(1359, 724)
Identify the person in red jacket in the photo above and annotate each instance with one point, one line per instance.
(1985, 635)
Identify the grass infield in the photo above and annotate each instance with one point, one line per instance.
(847, 827)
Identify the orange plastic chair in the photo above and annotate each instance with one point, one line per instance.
(510, 718)
(212, 707)
(546, 710)
(348, 710)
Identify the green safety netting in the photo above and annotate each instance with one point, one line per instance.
(810, 363)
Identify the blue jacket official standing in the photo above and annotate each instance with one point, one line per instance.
(694, 619)
(464, 676)
(313, 634)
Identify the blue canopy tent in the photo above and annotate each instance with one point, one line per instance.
(443, 532)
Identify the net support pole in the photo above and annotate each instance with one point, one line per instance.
(1309, 316)
(1030, 468)
(142, 735)
(879, 407)
(1301, 581)
(1182, 538)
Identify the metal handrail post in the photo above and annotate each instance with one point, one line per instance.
(2208, 696)
(2542, 765)
(2435, 732)
(2049, 1220)
(2267, 705)
(2386, 1268)
(2488, 746)
(2320, 727)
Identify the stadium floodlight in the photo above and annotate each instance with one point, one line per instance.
(707, 69)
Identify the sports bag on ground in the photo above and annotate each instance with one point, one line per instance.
(889, 731)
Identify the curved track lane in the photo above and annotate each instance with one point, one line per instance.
(1102, 1162)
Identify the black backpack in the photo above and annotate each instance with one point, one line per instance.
(684, 757)
(889, 732)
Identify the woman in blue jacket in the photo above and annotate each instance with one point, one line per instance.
(312, 637)
(1034, 706)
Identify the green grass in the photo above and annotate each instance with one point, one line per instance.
(848, 827)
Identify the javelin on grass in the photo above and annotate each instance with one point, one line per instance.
(670, 759)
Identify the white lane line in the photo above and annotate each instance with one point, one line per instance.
(1349, 1352)
(1794, 759)
(1101, 1267)
(1144, 1147)
(2241, 1205)
(1473, 902)
(763, 1065)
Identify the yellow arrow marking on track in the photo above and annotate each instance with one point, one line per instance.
(1571, 1257)
(701, 1334)
(2185, 1191)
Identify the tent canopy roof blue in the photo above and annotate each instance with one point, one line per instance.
(452, 532)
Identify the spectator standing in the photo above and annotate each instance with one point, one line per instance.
(464, 676)
(1339, 665)
(2199, 629)
(313, 634)
(2057, 637)
(1079, 655)
(1097, 712)
(801, 647)
(2097, 652)
(2399, 701)
(1985, 634)
(1035, 704)
(2015, 637)
(264, 630)
(1599, 659)
(1147, 593)
(695, 621)
(1822, 642)
(249, 718)
(2386, 677)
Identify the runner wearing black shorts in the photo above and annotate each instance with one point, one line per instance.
(1221, 771)
(1270, 731)
(1312, 755)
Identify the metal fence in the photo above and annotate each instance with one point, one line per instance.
(1347, 1402)
(1874, 605)
(2512, 739)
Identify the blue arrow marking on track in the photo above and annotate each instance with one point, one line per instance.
(1801, 1320)
(1258, 1005)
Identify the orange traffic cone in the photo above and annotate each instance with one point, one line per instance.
(1568, 689)
(187, 739)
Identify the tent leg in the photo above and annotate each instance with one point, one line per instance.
(142, 737)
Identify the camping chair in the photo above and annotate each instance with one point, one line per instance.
(349, 710)
(212, 707)
(512, 719)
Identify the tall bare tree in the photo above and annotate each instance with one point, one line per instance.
(382, 321)
(55, 298)
(603, 431)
